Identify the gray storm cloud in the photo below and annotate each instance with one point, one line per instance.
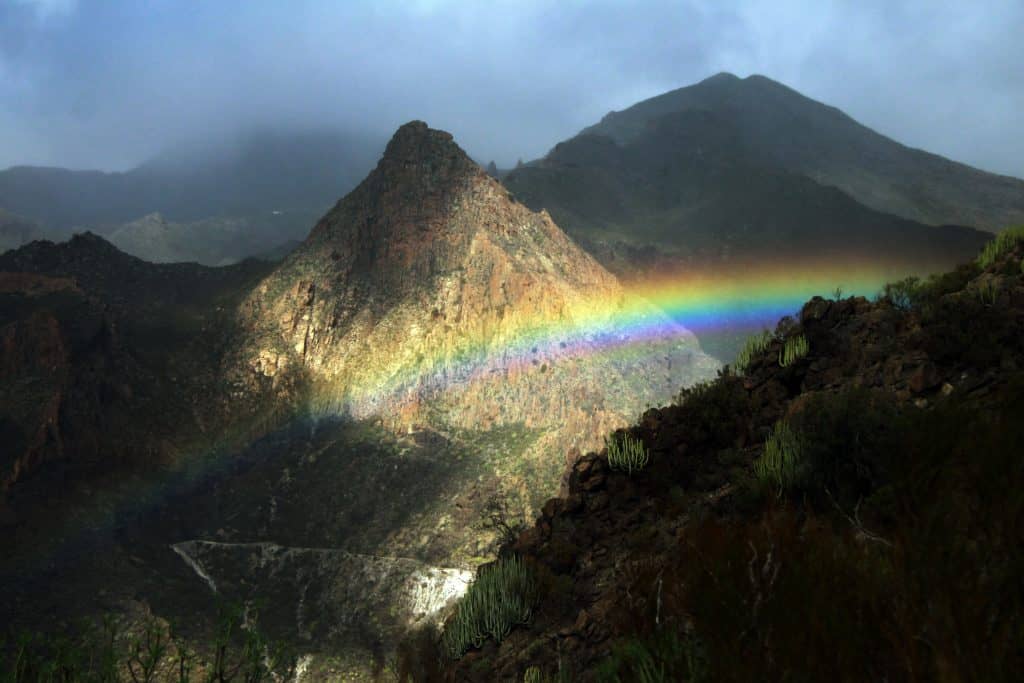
(107, 84)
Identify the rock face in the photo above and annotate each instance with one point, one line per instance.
(430, 293)
(322, 592)
(64, 375)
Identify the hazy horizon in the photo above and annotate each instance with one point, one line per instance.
(109, 84)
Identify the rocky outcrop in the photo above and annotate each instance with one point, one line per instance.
(430, 294)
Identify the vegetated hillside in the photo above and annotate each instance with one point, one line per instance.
(694, 187)
(813, 139)
(844, 505)
(296, 174)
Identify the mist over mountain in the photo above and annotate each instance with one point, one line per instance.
(295, 173)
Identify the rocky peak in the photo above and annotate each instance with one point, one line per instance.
(416, 144)
(427, 260)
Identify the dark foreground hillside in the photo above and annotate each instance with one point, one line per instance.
(845, 506)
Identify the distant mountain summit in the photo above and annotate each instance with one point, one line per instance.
(782, 127)
(741, 172)
(429, 295)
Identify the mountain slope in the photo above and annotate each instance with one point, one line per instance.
(799, 134)
(690, 186)
(451, 346)
(890, 508)
(109, 361)
(429, 293)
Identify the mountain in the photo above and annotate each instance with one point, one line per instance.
(108, 361)
(211, 241)
(822, 505)
(796, 133)
(289, 177)
(388, 402)
(428, 294)
(733, 170)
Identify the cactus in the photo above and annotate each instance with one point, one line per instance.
(794, 349)
(626, 454)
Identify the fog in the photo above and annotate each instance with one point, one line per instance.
(110, 83)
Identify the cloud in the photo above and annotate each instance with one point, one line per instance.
(45, 10)
(109, 82)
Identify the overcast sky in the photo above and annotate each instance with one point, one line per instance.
(108, 83)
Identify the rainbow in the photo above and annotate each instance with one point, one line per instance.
(651, 316)
(651, 313)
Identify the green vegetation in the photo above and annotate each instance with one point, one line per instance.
(535, 675)
(1004, 242)
(503, 595)
(902, 294)
(626, 453)
(988, 293)
(497, 517)
(925, 295)
(793, 350)
(896, 561)
(901, 558)
(110, 651)
(781, 465)
(665, 657)
(754, 346)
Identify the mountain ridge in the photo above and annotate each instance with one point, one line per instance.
(831, 147)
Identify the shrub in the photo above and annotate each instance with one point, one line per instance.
(110, 651)
(844, 439)
(754, 346)
(714, 413)
(988, 293)
(503, 595)
(665, 657)
(781, 465)
(533, 675)
(626, 453)
(1002, 244)
(794, 349)
(904, 293)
